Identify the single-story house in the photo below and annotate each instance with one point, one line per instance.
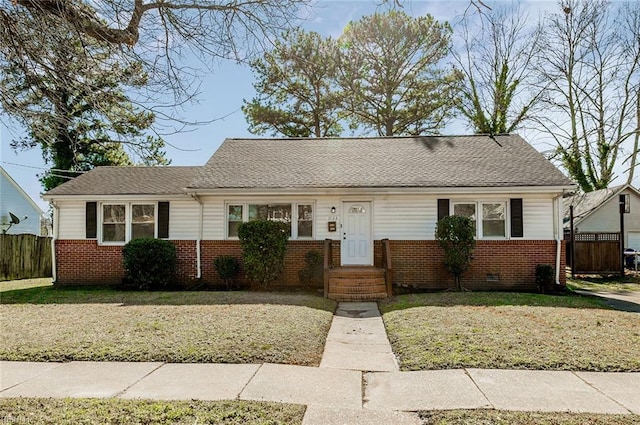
(18, 212)
(355, 192)
(599, 212)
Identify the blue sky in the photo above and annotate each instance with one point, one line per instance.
(224, 89)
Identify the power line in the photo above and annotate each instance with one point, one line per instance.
(42, 168)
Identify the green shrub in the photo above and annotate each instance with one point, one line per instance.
(311, 275)
(264, 244)
(456, 237)
(227, 268)
(149, 263)
(545, 279)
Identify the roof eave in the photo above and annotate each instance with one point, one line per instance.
(378, 190)
(123, 196)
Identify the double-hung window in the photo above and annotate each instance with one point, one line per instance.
(489, 218)
(297, 217)
(494, 220)
(114, 223)
(126, 221)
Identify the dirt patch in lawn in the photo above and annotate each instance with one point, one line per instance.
(125, 412)
(510, 331)
(165, 326)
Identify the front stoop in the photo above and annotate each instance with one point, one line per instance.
(357, 283)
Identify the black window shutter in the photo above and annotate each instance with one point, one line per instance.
(443, 208)
(163, 220)
(517, 229)
(91, 220)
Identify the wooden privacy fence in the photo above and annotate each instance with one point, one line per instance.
(24, 257)
(595, 253)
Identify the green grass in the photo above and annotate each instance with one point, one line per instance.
(52, 324)
(498, 417)
(510, 331)
(125, 412)
(629, 283)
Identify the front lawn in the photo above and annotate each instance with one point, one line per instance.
(500, 417)
(52, 324)
(628, 283)
(125, 412)
(510, 331)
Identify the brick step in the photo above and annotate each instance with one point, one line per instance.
(356, 273)
(368, 281)
(350, 289)
(357, 297)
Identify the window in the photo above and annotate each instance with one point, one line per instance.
(297, 217)
(466, 210)
(142, 221)
(124, 222)
(494, 220)
(234, 218)
(305, 221)
(114, 223)
(489, 218)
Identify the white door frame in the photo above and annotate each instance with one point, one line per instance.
(344, 259)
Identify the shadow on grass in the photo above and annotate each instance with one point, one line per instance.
(489, 299)
(97, 295)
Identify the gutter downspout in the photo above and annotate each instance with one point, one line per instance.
(557, 226)
(53, 241)
(200, 231)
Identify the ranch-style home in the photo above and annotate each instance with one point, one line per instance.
(368, 205)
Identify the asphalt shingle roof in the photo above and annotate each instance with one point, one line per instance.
(129, 181)
(380, 162)
(584, 203)
(430, 161)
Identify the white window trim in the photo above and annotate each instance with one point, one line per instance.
(128, 211)
(294, 216)
(479, 217)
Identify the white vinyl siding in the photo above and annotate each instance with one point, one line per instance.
(398, 217)
(537, 217)
(404, 218)
(184, 217)
(71, 220)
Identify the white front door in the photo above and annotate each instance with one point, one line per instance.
(356, 248)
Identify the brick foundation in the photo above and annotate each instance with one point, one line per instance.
(497, 265)
(84, 262)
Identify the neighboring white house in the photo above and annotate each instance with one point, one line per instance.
(598, 212)
(14, 200)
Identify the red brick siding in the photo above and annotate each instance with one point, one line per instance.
(416, 263)
(84, 262)
(496, 265)
(294, 260)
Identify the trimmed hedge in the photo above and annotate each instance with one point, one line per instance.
(264, 244)
(149, 263)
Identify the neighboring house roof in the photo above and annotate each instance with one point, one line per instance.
(419, 162)
(128, 181)
(585, 204)
(20, 190)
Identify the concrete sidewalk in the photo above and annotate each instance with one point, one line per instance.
(620, 300)
(340, 391)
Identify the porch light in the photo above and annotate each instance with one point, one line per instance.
(333, 210)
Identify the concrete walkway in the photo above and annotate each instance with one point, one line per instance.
(620, 300)
(341, 390)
